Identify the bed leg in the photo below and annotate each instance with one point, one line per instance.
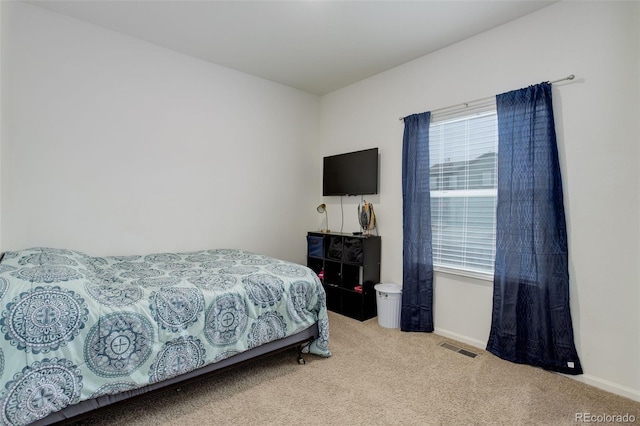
(301, 360)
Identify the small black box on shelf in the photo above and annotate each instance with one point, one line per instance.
(335, 248)
(353, 250)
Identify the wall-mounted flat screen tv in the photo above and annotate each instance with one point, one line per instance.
(352, 173)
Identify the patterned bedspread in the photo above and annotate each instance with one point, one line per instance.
(74, 327)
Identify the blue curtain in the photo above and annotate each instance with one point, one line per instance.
(417, 285)
(531, 321)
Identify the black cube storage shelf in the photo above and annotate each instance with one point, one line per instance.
(351, 267)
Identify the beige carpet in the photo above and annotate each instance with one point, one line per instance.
(377, 376)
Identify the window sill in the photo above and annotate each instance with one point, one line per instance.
(485, 276)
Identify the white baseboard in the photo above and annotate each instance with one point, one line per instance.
(607, 385)
(588, 379)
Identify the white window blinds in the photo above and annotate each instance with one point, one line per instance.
(463, 183)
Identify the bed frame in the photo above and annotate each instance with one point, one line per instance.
(87, 408)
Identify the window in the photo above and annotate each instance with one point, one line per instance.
(463, 184)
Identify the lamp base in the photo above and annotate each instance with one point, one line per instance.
(325, 231)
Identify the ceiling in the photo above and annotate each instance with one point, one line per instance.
(314, 46)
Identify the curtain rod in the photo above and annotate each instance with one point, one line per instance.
(466, 104)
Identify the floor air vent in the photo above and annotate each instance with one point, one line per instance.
(459, 350)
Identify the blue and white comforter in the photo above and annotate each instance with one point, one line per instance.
(74, 327)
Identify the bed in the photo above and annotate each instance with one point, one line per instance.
(81, 332)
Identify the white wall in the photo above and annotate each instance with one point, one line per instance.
(597, 126)
(113, 145)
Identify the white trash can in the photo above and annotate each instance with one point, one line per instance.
(388, 301)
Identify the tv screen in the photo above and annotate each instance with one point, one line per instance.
(353, 173)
